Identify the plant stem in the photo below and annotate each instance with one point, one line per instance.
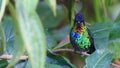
(104, 8)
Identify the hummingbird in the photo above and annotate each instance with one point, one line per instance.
(80, 36)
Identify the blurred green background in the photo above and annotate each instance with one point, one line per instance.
(48, 23)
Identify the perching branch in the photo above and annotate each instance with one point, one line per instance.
(70, 50)
(8, 57)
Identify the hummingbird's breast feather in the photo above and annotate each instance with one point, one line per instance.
(80, 38)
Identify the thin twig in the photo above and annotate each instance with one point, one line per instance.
(65, 41)
(70, 50)
(8, 57)
(2, 9)
(115, 65)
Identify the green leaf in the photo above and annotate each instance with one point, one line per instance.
(63, 43)
(32, 33)
(99, 59)
(114, 34)
(21, 64)
(7, 25)
(2, 40)
(0, 3)
(114, 12)
(58, 60)
(3, 63)
(2, 37)
(114, 46)
(114, 41)
(46, 16)
(51, 42)
(28, 65)
(18, 43)
(52, 5)
(53, 66)
(2, 8)
(102, 56)
(60, 34)
(117, 18)
(100, 33)
(29, 5)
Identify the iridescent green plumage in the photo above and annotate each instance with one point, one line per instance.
(79, 36)
(82, 41)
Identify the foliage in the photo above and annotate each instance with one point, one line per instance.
(35, 28)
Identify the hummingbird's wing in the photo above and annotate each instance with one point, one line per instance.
(92, 47)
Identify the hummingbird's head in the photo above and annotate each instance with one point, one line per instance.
(79, 19)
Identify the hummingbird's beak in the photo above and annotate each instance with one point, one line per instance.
(79, 24)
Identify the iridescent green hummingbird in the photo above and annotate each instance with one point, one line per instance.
(80, 36)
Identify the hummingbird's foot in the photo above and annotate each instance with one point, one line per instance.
(84, 53)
